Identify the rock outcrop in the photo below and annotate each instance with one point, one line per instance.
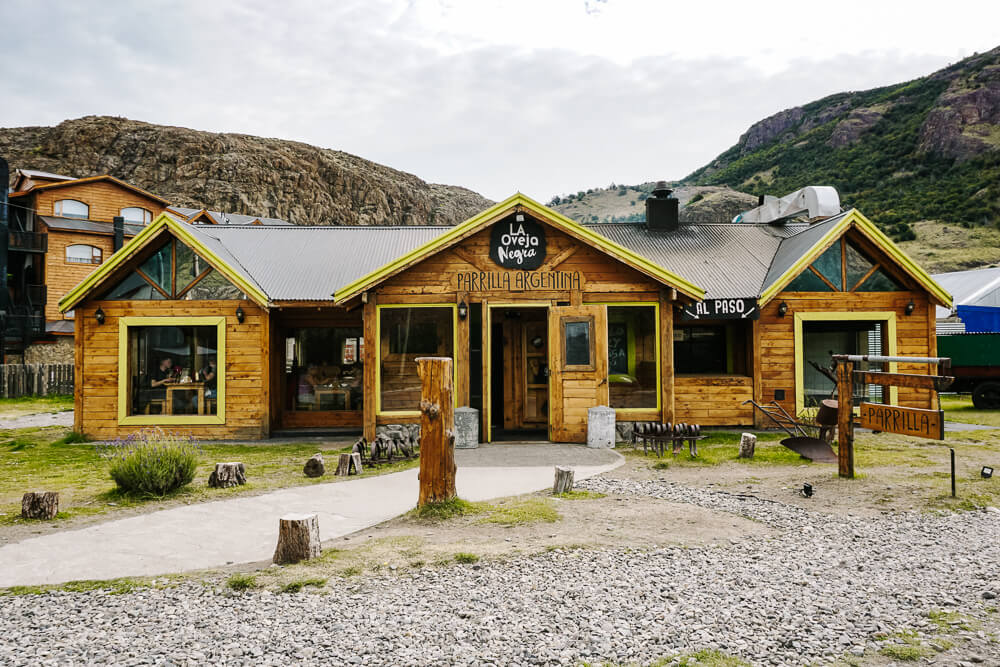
(966, 120)
(239, 173)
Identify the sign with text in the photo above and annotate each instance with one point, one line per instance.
(517, 281)
(904, 421)
(518, 244)
(722, 309)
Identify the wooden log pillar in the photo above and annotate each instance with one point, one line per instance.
(845, 419)
(78, 354)
(484, 414)
(298, 538)
(370, 367)
(437, 426)
(666, 357)
(40, 505)
(748, 443)
(563, 480)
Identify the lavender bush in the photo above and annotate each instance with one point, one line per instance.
(152, 462)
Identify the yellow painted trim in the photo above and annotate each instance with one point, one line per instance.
(888, 316)
(659, 379)
(125, 419)
(378, 354)
(488, 351)
(868, 229)
(547, 214)
(181, 231)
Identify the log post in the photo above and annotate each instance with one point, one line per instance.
(437, 426)
(40, 505)
(845, 419)
(226, 475)
(563, 481)
(298, 538)
(348, 462)
(748, 442)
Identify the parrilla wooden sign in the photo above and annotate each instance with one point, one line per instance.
(517, 281)
(904, 421)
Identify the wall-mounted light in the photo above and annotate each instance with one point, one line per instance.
(99, 315)
(910, 307)
(240, 315)
(463, 310)
(782, 309)
(986, 472)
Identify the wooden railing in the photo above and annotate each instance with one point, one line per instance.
(29, 241)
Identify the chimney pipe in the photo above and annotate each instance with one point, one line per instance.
(760, 200)
(662, 210)
(119, 233)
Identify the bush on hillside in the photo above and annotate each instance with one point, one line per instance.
(152, 462)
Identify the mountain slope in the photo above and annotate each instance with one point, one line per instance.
(927, 149)
(627, 203)
(239, 173)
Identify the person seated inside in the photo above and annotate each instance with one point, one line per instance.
(307, 386)
(160, 378)
(209, 375)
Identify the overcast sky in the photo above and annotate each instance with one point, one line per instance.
(542, 96)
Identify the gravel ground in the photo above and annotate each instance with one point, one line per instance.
(823, 588)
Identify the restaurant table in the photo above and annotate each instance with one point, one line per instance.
(333, 391)
(168, 408)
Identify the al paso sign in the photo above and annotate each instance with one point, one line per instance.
(722, 309)
(905, 421)
(518, 244)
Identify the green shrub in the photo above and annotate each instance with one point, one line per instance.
(241, 582)
(152, 462)
(463, 557)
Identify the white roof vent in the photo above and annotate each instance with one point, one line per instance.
(816, 201)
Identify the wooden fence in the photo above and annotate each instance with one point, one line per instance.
(35, 379)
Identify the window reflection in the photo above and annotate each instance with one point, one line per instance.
(323, 369)
(174, 370)
(408, 333)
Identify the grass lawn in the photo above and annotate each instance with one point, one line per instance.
(959, 408)
(46, 459)
(27, 405)
(721, 447)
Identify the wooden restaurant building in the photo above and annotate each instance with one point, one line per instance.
(239, 332)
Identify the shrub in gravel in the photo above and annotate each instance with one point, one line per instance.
(463, 557)
(299, 584)
(151, 462)
(241, 582)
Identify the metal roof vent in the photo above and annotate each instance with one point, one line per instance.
(815, 201)
(662, 210)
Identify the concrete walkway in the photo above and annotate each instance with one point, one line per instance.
(244, 530)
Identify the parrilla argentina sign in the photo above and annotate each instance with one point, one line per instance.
(517, 281)
(905, 421)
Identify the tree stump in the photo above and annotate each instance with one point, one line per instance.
(298, 538)
(40, 505)
(748, 441)
(314, 466)
(226, 475)
(348, 462)
(563, 481)
(437, 430)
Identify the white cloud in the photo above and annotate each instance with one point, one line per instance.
(544, 97)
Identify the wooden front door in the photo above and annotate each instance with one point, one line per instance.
(578, 363)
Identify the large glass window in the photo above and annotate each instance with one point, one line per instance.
(136, 215)
(174, 271)
(844, 267)
(174, 370)
(632, 356)
(404, 335)
(83, 254)
(700, 349)
(71, 208)
(323, 369)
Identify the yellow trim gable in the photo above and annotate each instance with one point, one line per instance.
(856, 220)
(182, 232)
(546, 214)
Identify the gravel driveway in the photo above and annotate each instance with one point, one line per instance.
(821, 589)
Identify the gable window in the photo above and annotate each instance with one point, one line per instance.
(174, 271)
(83, 254)
(844, 267)
(136, 215)
(71, 208)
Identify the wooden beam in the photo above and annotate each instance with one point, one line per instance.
(470, 259)
(371, 346)
(462, 354)
(267, 369)
(911, 380)
(824, 279)
(559, 257)
(78, 379)
(845, 420)
(758, 390)
(666, 358)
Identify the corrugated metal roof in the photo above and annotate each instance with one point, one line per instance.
(78, 225)
(726, 260)
(980, 287)
(309, 263)
(230, 218)
(797, 245)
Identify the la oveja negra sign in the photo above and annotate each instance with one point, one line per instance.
(518, 243)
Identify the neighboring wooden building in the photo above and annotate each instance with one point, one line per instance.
(61, 229)
(319, 327)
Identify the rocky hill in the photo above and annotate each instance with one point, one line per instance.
(626, 203)
(927, 149)
(239, 173)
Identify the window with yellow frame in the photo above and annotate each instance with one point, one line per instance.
(406, 332)
(171, 370)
